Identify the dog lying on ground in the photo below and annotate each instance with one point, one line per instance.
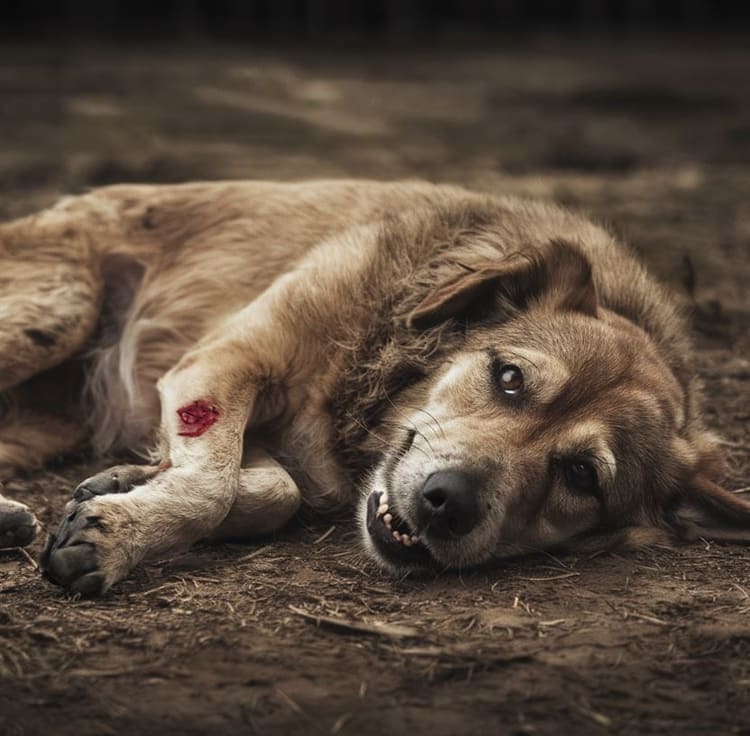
(487, 376)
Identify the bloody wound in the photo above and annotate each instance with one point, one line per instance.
(196, 418)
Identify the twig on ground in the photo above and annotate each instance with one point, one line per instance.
(374, 628)
(254, 554)
(552, 577)
(29, 558)
(325, 535)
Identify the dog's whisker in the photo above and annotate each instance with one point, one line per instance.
(432, 418)
(401, 452)
(433, 423)
(372, 433)
(413, 428)
(412, 424)
(401, 411)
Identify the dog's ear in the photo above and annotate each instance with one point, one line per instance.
(703, 508)
(558, 273)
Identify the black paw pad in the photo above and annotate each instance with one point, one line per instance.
(69, 559)
(119, 479)
(17, 527)
(65, 565)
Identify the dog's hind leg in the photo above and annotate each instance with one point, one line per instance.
(18, 527)
(26, 443)
(31, 439)
(49, 294)
(267, 498)
(39, 421)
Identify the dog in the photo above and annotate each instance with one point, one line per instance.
(482, 376)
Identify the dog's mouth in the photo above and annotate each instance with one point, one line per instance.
(392, 536)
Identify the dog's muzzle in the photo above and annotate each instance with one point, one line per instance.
(391, 535)
(447, 510)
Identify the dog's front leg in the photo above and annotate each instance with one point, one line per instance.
(249, 369)
(102, 537)
(207, 400)
(256, 367)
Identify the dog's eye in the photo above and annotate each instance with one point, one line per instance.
(509, 378)
(581, 475)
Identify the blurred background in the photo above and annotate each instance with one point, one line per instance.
(636, 111)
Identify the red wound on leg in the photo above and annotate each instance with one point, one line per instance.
(196, 418)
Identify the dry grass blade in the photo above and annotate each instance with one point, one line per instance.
(298, 709)
(340, 723)
(325, 535)
(141, 669)
(254, 554)
(552, 577)
(29, 558)
(649, 619)
(369, 628)
(595, 716)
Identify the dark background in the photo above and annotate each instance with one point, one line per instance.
(636, 113)
(379, 18)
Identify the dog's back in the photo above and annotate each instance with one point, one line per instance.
(176, 260)
(173, 261)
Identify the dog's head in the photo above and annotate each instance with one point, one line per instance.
(557, 421)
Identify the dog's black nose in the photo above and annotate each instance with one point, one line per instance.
(448, 506)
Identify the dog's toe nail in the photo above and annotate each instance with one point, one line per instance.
(47, 551)
(82, 493)
(90, 585)
(71, 510)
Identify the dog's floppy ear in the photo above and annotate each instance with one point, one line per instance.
(703, 508)
(559, 273)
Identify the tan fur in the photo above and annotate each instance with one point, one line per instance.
(325, 322)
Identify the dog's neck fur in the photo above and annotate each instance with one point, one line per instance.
(384, 363)
(384, 355)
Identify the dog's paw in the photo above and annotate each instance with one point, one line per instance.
(18, 526)
(89, 551)
(119, 479)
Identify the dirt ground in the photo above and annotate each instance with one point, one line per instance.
(300, 634)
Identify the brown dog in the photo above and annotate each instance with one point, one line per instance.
(489, 375)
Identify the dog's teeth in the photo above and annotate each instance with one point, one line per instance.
(382, 509)
(397, 536)
(383, 497)
(415, 539)
(406, 541)
(387, 519)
